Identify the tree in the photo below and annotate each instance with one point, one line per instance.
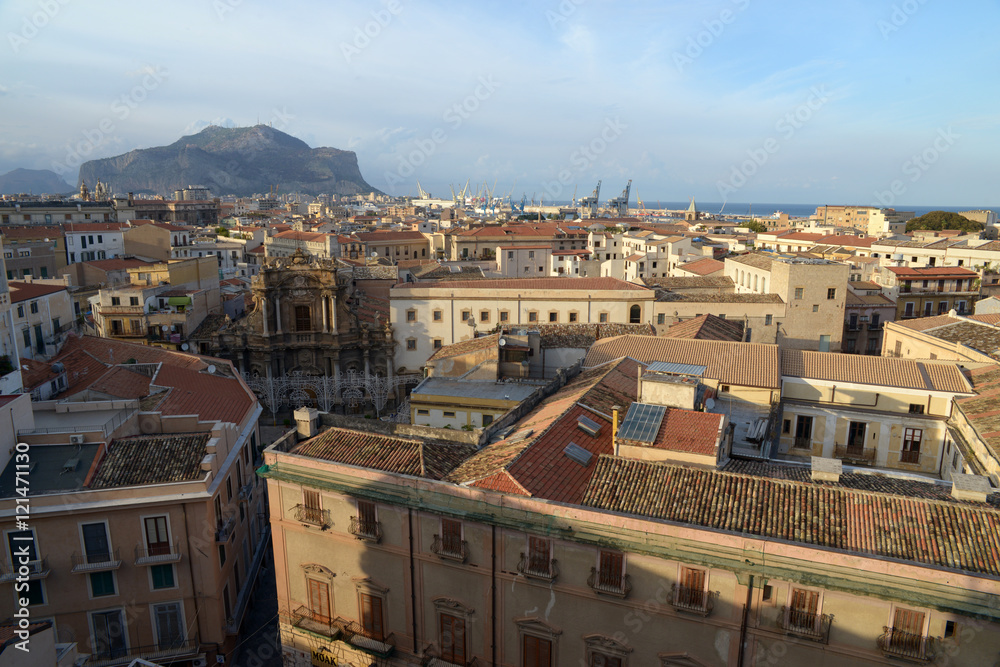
(940, 220)
(222, 231)
(755, 226)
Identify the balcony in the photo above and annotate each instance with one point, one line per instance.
(307, 619)
(366, 529)
(246, 492)
(450, 548)
(357, 636)
(37, 569)
(802, 443)
(857, 455)
(693, 600)
(163, 653)
(538, 568)
(617, 586)
(157, 554)
(905, 645)
(909, 456)
(225, 527)
(99, 562)
(314, 516)
(804, 624)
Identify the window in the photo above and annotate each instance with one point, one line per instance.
(303, 318)
(786, 426)
(815, 308)
(169, 626)
(536, 652)
(798, 292)
(635, 314)
(856, 435)
(533, 316)
(849, 344)
(803, 431)
(133, 301)
(908, 309)
(222, 555)
(157, 536)
(451, 536)
(661, 318)
(824, 343)
(504, 316)
(831, 293)
(229, 489)
(109, 634)
(411, 344)
(928, 308)
(916, 409)
(438, 315)
(510, 255)
(102, 584)
(539, 559)
(803, 610)
(906, 636)
(450, 415)
(411, 316)
(767, 320)
(367, 519)
(96, 545)
(319, 600)
(20, 309)
(453, 639)
(438, 343)
(423, 412)
(371, 616)
(162, 576)
(911, 445)
(603, 318)
(690, 592)
(484, 316)
(487, 420)
(610, 571)
(553, 316)
(466, 314)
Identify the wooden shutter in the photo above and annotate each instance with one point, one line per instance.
(909, 621)
(538, 554)
(693, 587)
(310, 499)
(157, 539)
(451, 537)
(453, 639)
(805, 605)
(319, 600)
(371, 616)
(537, 652)
(611, 569)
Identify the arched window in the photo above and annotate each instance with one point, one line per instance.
(635, 314)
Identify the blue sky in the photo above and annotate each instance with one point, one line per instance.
(745, 100)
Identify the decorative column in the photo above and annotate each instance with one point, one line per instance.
(263, 307)
(326, 315)
(277, 314)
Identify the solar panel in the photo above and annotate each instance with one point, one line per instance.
(577, 453)
(588, 426)
(676, 369)
(642, 422)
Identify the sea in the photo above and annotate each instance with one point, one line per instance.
(763, 210)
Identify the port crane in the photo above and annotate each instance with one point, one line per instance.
(589, 204)
(619, 205)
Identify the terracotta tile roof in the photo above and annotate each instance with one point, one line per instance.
(754, 259)
(151, 459)
(951, 535)
(692, 282)
(983, 409)
(707, 327)
(384, 452)
(293, 235)
(938, 272)
(925, 323)
(36, 373)
(635, 258)
(868, 300)
(121, 382)
(32, 232)
(537, 464)
(26, 291)
(591, 284)
(582, 336)
(988, 318)
(881, 371)
(864, 284)
(717, 297)
(975, 334)
(878, 483)
(388, 237)
(686, 431)
(94, 226)
(744, 364)
(467, 346)
(117, 264)
(703, 267)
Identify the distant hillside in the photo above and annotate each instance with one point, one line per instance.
(238, 161)
(33, 181)
(941, 220)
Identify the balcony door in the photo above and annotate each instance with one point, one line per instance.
(319, 600)
(95, 542)
(109, 634)
(157, 537)
(856, 435)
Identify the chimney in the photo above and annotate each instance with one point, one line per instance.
(826, 470)
(614, 428)
(974, 488)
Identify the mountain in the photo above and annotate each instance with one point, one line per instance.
(33, 181)
(239, 161)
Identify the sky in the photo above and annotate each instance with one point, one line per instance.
(889, 103)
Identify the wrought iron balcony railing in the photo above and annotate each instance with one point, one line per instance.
(538, 568)
(225, 528)
(96, 562)
(312, 515)
(165, 651)
(805, 624)
(909, 456)
(863, 455)
(157, 554)
(35, 569)
(618, 585)
(693, 600)
(365, 529)
(451, 548)
(906, 645)
(802, 443)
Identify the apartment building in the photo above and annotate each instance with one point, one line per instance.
(426, 316)
(395, 246)
(156, 240)
(524, 261)
(813, 290)
(87, 241)
(55, 212)
(552, 546)
(147, 525)
(922, 292)
(867, 311)
(33, 251)
(41, 313)
(481, 242)
(284, 244)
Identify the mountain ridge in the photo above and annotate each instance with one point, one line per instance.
(33, 181)
(239, 161)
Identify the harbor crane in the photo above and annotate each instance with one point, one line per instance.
(619, 205)
(589, 204)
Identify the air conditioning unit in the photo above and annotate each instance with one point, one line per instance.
(76, 439)
(199, 661)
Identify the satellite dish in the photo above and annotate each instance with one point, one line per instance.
(164, 328)
(709, 403)
(211, 369)
(374, 253)
(503, 341)
(185, 347)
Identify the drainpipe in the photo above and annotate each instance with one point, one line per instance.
(614, 428)
(413, 580)
(493, 596)
(743, 622)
